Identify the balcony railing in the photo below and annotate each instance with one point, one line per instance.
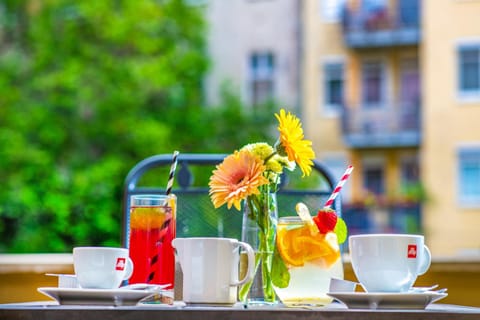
(379, 27)
(389, 125)
(394, 218)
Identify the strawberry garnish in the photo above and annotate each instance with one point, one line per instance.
(326, 220)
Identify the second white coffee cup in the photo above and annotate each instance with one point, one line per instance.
(210, 269)
(101, 267)
(388, 262)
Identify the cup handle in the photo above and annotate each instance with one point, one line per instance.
(129, 269)
(427, 259)
(250, 264)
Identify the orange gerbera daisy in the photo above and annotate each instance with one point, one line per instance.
(294, 146)
(237, 177)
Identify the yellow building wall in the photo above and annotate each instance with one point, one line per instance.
(448, 124)
(392, 58)
(322, 41)
(352, 89)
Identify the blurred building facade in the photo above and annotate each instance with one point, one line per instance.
(390, 86)
(255, 49)
(393, 87)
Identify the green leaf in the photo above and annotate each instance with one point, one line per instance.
(341, 230)
(280, 273)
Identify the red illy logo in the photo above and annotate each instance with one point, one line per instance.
(120, 264)
(412, 251)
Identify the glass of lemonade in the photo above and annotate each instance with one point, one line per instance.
(312, 258)
(152, 229)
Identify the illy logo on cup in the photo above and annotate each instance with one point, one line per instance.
(412, 251)
(120, 265)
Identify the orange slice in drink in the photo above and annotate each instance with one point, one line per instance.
(298, 245)
(330, 251)
(290, 254)
(148, 217)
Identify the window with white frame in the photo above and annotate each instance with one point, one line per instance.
(469, 70)
(333, 83)
(262, 71)
(469, 177)
(373, 82)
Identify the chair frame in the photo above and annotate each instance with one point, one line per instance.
(184, 179)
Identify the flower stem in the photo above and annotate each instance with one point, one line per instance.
(269, 157)
(259, 208)
(266, 253)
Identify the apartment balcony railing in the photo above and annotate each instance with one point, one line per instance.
(393, 218)
(388, 125)
(379, 27)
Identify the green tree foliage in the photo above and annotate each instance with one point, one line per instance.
(88, 89)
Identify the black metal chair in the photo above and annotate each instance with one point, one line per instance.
(196, 215)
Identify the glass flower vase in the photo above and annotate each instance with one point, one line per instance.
(259, 227)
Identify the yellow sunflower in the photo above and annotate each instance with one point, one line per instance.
(237, 177)
(291, 140)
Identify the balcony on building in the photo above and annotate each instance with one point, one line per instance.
(376, 25)
(389, 125)
(397, 217)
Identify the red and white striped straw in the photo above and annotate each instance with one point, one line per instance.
(339, 186)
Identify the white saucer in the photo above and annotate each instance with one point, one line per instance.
(78, 296)
(384, 300)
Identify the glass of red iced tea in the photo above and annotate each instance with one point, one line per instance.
(152, 229)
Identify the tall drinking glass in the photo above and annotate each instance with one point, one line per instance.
(152, 229)
(312, 258)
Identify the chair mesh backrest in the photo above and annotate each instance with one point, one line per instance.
(196, 215)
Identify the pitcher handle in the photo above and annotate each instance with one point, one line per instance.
(250, 264)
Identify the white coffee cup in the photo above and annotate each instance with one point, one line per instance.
(210, 269)
(101, 267)
(388, 262)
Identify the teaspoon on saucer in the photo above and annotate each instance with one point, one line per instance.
(423, 289)
(145, 286)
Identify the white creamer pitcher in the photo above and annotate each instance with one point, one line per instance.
(210, 269)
